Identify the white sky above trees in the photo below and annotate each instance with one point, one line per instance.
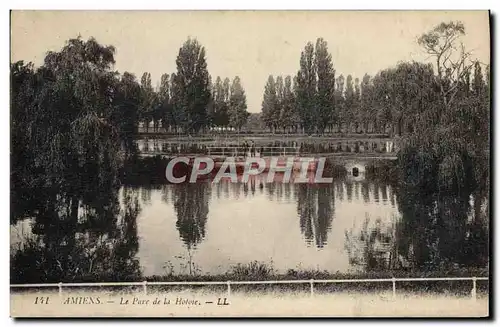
(248, 44)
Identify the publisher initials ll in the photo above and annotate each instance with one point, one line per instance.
(222, 301)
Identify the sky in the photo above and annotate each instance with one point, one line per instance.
(248, 44)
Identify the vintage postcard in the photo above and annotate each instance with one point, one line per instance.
(250, 164)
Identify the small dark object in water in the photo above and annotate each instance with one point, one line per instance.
(355, 171)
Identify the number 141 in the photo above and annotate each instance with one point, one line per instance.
(42, 300)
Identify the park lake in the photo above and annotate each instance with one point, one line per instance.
(357, 225)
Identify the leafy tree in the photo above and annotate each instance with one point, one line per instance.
(270, 104)
(306, 89)
(404, 96)
(224, 109)
(254, 122)
(288, 113)
(128, 100)
(326, 86)
(479, 85)
(312, 101)
(178, 114)
(148, 100)
(366, 113)
(192, 85)
(211, 104)
(439, 117)
(350, 103)
(339, 102)
(73, 124)
(295, 115)
(218, 101)
(237, 105)
(356, 104)
(26, 84)
(221, 102)
(164, 102)
(279, 102)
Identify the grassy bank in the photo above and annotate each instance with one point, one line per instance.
(257, 271)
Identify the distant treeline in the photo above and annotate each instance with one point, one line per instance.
(403, 99)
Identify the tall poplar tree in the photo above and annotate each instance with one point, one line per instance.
(192, 84)
(325, 101)
(306, 89)
(164, 101)
(287, 113)
(238, 114)
(350, 103)
(270, 104)
(147, 100)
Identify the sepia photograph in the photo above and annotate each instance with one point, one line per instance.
(247, 163)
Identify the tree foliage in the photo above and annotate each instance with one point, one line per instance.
(306, 89)
(71, 118)
(192, 86)
(238, 114)
(270, 104)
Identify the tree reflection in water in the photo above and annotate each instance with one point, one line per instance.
(315, 207)
(440, 230)
(95, 238)
(371, 246)
(435, 231)
(191, 201)
(97, 242)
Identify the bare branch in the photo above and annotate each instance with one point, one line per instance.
(452, 60)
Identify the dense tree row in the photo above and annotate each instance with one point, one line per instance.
(388, 102)
(188, 101)
(228, 108)
(278, 109)
(309, 103)
(317, 101)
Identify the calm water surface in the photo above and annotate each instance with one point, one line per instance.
(291, 226)
(355, 224)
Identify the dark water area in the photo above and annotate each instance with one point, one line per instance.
(361, 224)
